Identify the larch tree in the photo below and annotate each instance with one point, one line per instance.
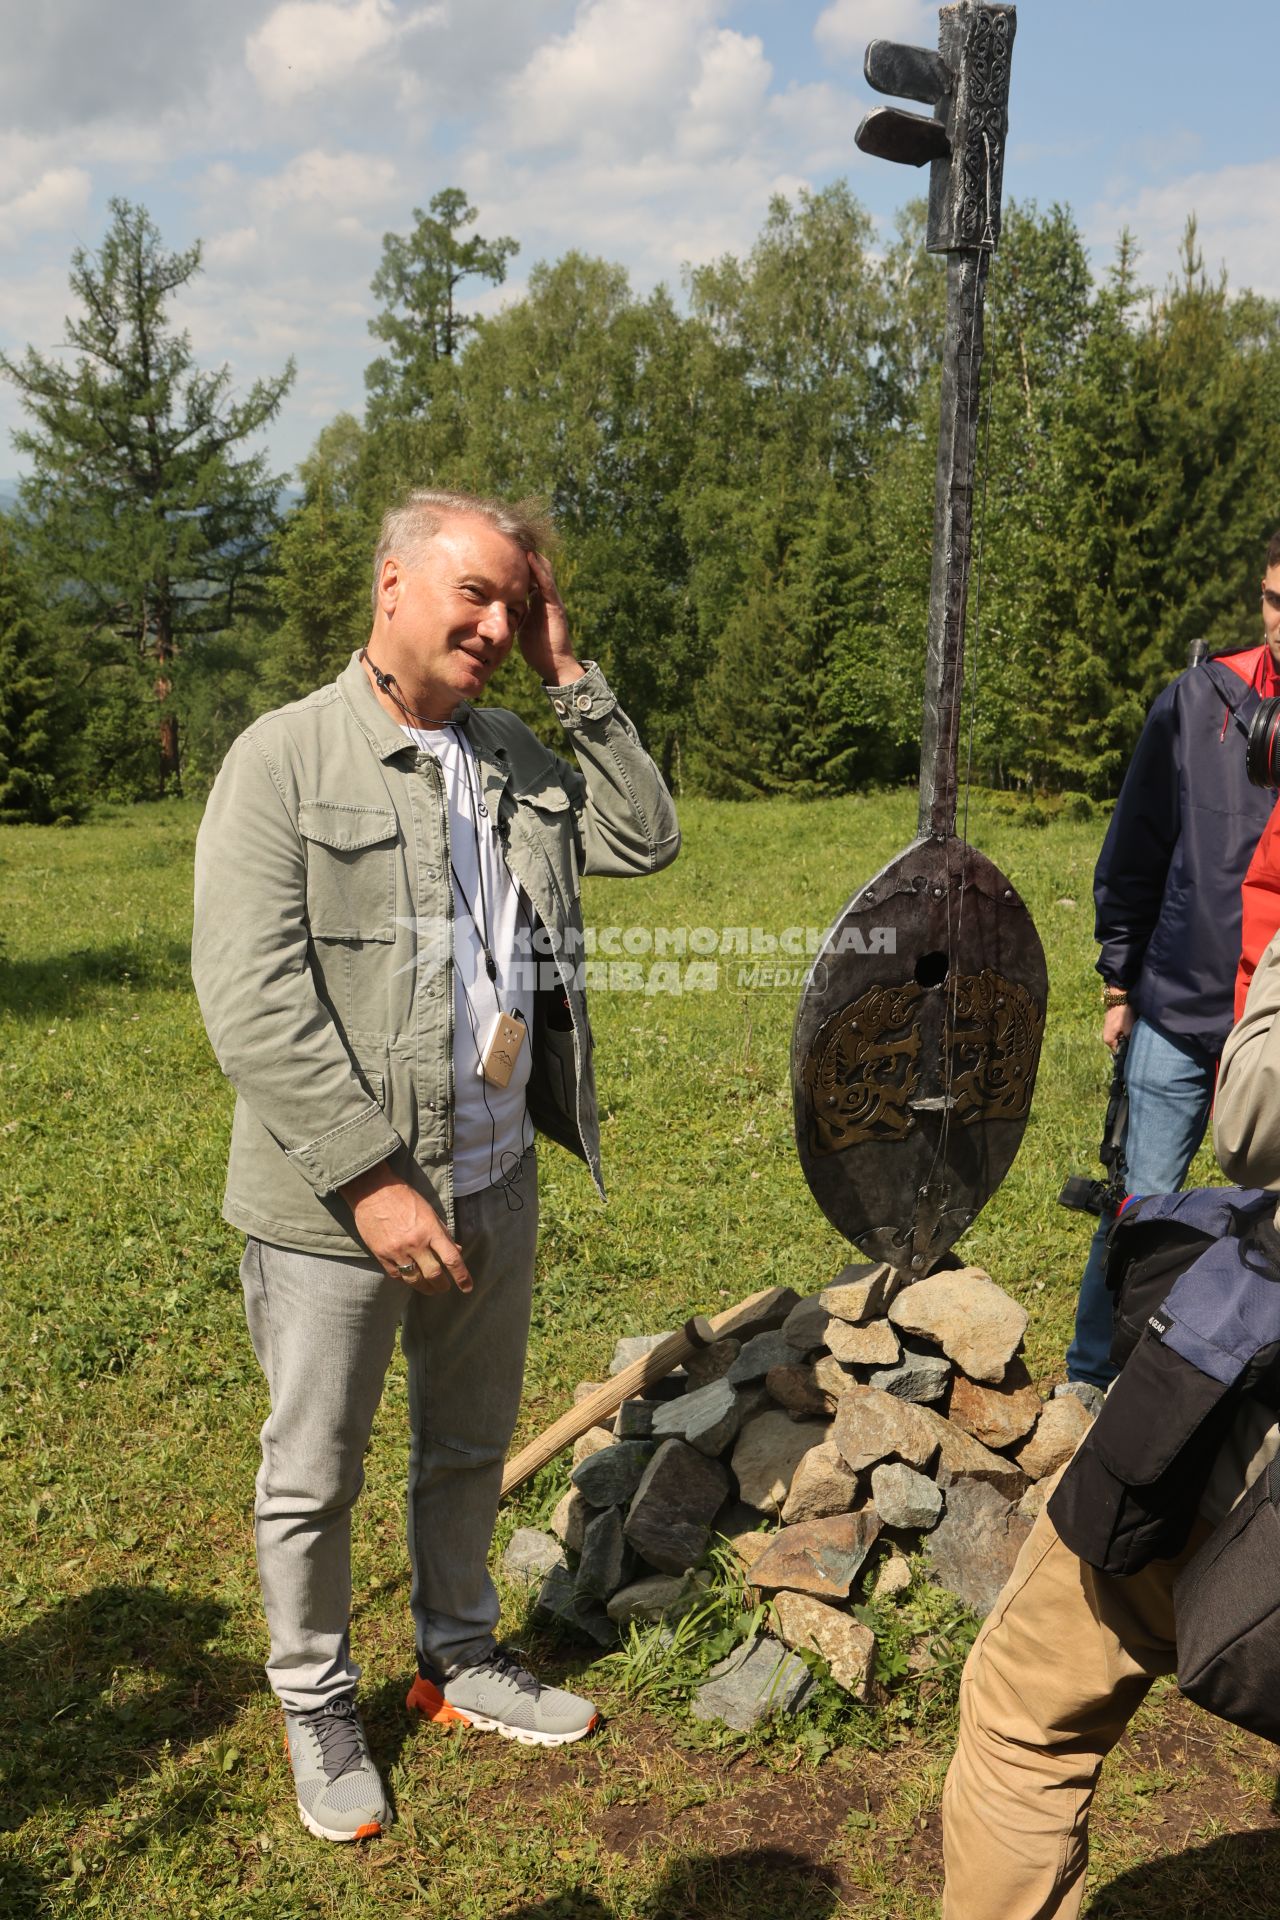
(143, 501)
(420, 322)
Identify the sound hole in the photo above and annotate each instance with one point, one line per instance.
(931, 969)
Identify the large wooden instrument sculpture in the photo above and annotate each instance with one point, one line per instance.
(918, 1033)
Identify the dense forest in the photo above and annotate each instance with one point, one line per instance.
(742, 479)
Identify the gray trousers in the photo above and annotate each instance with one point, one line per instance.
(324, 1330)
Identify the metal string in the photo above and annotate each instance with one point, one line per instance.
(969, 671)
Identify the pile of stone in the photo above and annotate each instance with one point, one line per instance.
(826, 1441)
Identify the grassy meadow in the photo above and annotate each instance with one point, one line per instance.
(141, 1769)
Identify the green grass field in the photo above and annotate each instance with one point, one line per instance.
(139, 1751)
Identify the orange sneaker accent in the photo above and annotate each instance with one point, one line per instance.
(371, 1830)
(426, 1698)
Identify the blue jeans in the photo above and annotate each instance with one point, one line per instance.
(1170, 1085)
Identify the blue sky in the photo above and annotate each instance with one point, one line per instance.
(290, 137)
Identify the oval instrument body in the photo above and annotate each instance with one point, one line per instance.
(915, 1050)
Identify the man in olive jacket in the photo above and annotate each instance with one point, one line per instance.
(387, 955)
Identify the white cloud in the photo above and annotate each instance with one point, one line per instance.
(74, 63)
(58, 196)
(728, 95)
(616, 77)
(1233, 208)
(338, 183)
(652, 133)
(309, 45)
(290, 136)
(843, 29)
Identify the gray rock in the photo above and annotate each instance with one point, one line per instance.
(871, 1426)
(873, 1345)
(848, 1648)
(1089, 1396)
(605, 1562)
(972, 1549)
(668, 1386)
(821, 1485)
(904, 1499)
(919, 1377)
(633, 1347)
(751, 1545)
(706, 1364)
(1054, 1438)
(861, 1293)
(754, 1400)
(832, 1377)
(735, 1517)
(768, 1451)
(796, 1388)
(819, 1557)
(594, 1440)
(569, 1521)
(966, 1314)
(758, 1680)
(662, 1596)
(669, 1521)
(1032, 1501)
(961, 1457)
(608, 1478)
(531, 1554)
(558, 1602)
(634, 1420)
(765, 1350)
(894, 1577)
(805, 1327)
(766, 1318)
(708, 1419)
(995, 1416)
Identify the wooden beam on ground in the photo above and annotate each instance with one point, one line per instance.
(654, 1365)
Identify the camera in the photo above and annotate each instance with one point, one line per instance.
(1083, 1195)
(1079, 1192)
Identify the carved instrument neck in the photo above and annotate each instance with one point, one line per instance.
(952, 537)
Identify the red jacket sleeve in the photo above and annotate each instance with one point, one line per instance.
(1260, 899)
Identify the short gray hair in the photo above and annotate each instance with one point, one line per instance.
(416, 519)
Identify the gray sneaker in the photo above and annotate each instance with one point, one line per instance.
(498, 1694)
(340, 1794)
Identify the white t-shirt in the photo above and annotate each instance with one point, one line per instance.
(490, 1128)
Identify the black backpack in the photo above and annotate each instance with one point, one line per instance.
(1226, 1602)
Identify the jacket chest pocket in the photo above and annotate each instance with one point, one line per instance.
(544, 817)
(351, 870)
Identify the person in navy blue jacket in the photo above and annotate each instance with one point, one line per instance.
(1167, 896)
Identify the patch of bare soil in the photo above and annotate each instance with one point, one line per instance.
(1180, 1775)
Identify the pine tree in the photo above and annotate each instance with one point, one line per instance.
(141, 500)
(324, 554)
(39, 702)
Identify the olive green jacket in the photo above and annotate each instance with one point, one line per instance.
(1246, 1105)
(323, 946)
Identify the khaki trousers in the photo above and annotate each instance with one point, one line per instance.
(1057, 1672)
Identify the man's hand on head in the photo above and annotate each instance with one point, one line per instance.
(403, 1231)
(544, 631)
